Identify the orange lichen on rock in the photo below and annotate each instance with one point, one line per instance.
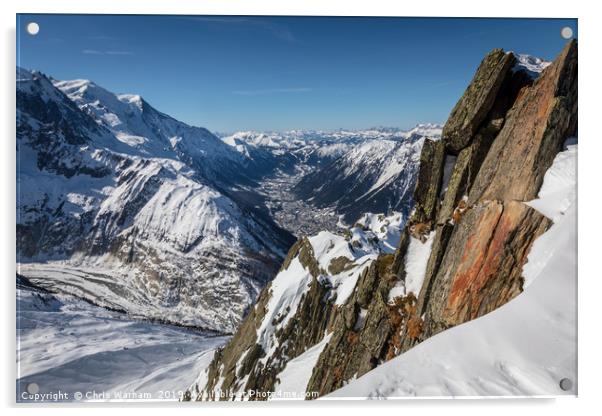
(352, 337)
(420, 231)
(494, 252)
(459, 211)
(402, 316)
(414, 327)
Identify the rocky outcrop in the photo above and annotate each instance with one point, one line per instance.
(428, 185)
(533, 134)
(361, 333)
(501, 138)
(482, 264)
(478, 99)
(484, 232)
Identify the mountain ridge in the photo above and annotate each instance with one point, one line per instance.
(460, 254)
(91, 206)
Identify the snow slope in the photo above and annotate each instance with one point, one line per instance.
(296, 374)
(525, 347)
(69, 345)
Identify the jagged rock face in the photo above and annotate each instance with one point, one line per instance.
(428, 185)
(482, 265)
(357, 343)
(478, 99)
(476, 263)
(498, 142)
(532, 134)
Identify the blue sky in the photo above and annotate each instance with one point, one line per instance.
(231, 73)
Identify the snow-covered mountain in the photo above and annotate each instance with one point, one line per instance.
(344, 172)
(154, 134)
(313, 145)
(291, 150)
(119, 203)
(376, 174)
(532, 65)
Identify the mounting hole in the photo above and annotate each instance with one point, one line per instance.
(566, 32)
(33, 388)
(566, 384)
(33, 28)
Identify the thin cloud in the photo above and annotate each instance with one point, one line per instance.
(113, 53)
(272, 91)
(119, 53)
(280, 31)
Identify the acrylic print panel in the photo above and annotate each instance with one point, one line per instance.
(264, 208)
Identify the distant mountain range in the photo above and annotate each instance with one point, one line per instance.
(134, 210)
(348, 172)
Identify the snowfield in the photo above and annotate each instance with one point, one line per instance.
(70, 345)
(523, 348)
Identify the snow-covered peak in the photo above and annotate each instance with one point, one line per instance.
(100, 102)
(130, 98)
(23, 74)
(83, 90)
(101, 171)
(530, 64)
(148, 132)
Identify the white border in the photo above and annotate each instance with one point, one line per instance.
(590, 203)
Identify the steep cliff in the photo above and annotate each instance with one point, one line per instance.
(460, 255)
